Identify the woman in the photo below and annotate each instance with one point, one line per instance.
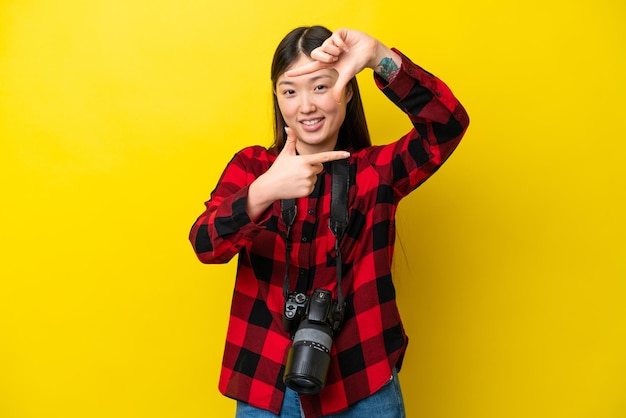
(272, 207)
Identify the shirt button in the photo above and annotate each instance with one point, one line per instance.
(303, 239)
(310, 211)
(438, 94)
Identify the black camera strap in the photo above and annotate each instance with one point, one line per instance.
(339, 192)
(289, 210)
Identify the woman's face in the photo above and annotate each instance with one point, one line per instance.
(307, 105)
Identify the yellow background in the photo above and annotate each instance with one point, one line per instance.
(117, 117)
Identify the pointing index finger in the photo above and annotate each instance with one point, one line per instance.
(326, 156)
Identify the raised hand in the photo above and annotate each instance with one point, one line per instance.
(291, 176)
(348, 52)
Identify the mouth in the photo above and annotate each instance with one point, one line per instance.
(311, 122)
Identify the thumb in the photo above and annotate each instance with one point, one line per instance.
(340, 85)
(290, 143)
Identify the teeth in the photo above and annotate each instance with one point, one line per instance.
(310, 122)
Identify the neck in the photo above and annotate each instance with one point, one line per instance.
(307, 149)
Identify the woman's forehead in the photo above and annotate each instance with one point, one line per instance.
(300, 61)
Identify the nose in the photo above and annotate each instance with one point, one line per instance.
(307, 104)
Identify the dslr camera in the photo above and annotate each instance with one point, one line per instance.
(314, 319)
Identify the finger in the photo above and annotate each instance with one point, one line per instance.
(326, 55)
(324, 157)
(338, 39)
(317, 168)
(290, 143)
(340, 85)
(329, 48)
(305, 69)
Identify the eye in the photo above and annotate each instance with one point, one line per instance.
(321, 87)
(289, 92)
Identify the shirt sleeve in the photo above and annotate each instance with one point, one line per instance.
(439, 122)
(224, 227)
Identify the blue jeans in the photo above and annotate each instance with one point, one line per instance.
(386, 403)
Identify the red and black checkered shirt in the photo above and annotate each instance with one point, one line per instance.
(372, 340)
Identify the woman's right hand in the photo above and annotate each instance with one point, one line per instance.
(291, 176)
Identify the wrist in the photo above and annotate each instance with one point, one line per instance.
(388, 63)
(258, 198)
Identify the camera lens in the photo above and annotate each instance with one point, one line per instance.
(301, 384)
(309, 358)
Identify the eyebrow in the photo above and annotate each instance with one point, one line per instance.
(311, 80)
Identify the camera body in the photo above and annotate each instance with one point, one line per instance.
(315, 319)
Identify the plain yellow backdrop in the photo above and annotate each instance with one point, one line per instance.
(118, 116)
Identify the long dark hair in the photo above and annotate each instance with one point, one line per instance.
(353, 132)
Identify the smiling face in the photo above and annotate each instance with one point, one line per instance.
(307, 105)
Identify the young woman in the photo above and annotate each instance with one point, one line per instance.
(272, 207)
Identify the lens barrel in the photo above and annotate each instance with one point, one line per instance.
(309, 357)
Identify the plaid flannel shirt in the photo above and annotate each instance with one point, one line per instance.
(372, 340)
